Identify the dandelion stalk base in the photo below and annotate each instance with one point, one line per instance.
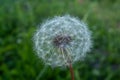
(71, 72)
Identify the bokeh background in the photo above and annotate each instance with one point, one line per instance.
(19, 20)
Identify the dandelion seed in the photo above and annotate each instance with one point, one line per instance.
(62, 41)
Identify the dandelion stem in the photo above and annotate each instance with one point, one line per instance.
(71, 72)
(69, 62)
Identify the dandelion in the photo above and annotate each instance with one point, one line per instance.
(62, 41)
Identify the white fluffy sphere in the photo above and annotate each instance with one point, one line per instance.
(61, 39)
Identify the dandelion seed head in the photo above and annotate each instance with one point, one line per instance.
(60, 39)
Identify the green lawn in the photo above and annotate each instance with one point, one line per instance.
(19, 20)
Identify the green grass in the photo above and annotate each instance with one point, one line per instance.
(19, 19)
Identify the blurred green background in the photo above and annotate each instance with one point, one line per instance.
(19, 20)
